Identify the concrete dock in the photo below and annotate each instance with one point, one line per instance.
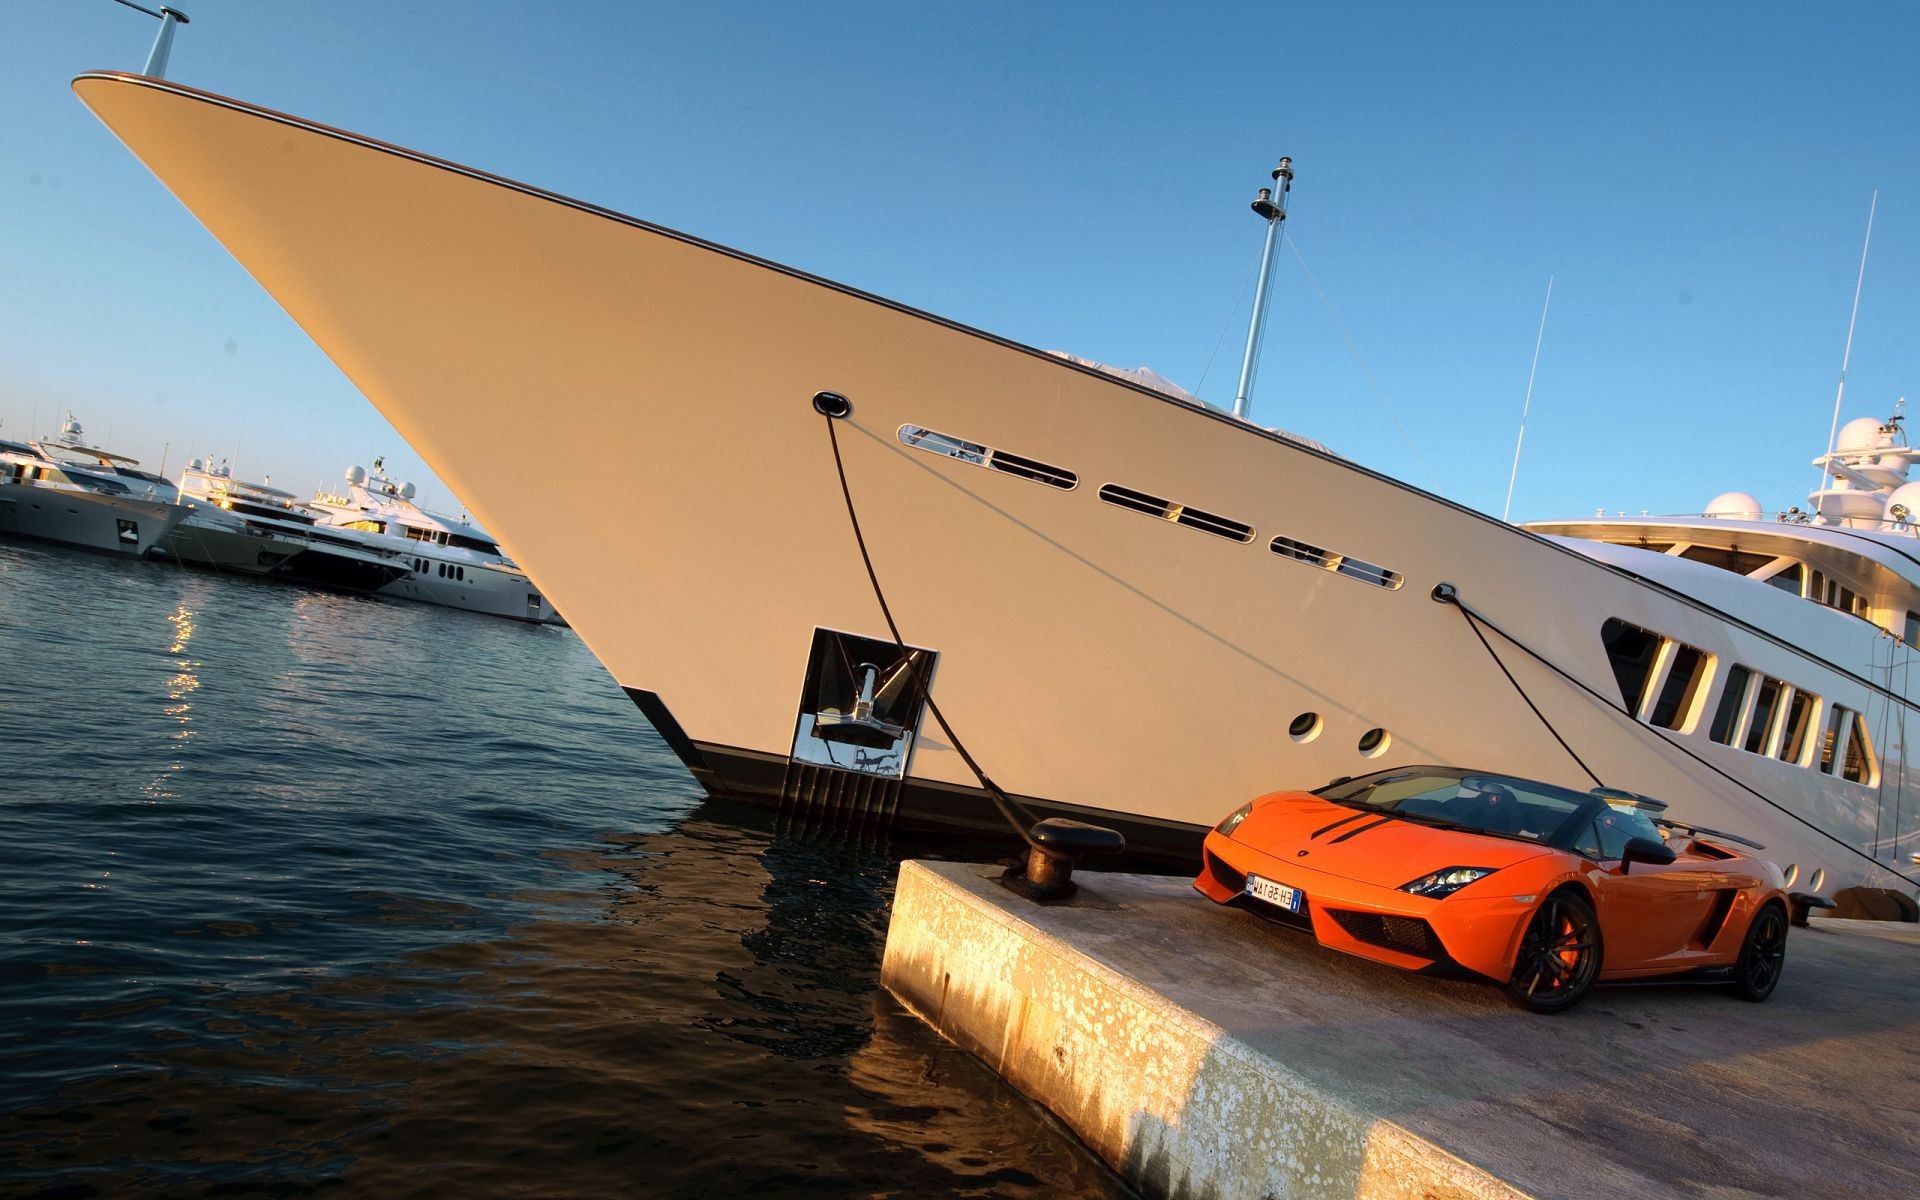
(1203, 1052)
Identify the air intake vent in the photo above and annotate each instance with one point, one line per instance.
(948, 446)
(1179, 514)
(1299, 550)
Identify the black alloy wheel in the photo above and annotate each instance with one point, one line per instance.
(1763, 955)
(1559, 955)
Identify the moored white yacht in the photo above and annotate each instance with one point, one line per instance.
(334, 559)
(453, 562)
(1130, 608)
(48, 496)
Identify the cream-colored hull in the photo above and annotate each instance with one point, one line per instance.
(1088, 655)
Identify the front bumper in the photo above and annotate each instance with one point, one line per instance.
(1476, 929)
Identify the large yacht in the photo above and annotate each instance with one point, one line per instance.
(1129, 608)
(454, 562)
(46, 495)
(205, 536)
(334, 559)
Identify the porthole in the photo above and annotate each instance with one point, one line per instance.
(1305, 727)
(1791, 873)
(1819, 879)
(1374, 742)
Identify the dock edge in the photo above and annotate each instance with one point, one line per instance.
(1170, 1101)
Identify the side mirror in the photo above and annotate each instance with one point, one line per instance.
(1646, 850)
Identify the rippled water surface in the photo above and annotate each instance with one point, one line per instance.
(307, 893)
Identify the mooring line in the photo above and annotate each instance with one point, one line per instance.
(1447, 593)
(1006, 804)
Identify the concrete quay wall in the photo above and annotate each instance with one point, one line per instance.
(1169, 1099)
(1203, 1052)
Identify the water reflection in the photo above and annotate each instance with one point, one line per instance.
(393, 932)
(688, 1013)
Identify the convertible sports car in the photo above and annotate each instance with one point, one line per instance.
(1540, 888)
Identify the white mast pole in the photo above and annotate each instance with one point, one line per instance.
(169, 19)
(1274, 209)
(1527, 404)
(1846, 356)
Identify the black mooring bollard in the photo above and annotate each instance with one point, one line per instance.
(1057, 845)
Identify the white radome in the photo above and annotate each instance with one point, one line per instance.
(1905, 499)
(1859, 435)
(356, 475)
(1739, 506)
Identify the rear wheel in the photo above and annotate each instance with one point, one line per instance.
(1559, 955)
(1763, 955)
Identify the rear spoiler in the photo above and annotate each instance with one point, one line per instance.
(1702, 830)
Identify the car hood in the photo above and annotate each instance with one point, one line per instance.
(1301, 827)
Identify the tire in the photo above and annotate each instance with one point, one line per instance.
(1559, 956)
(1763, 955)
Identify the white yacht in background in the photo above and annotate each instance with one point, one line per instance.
(334, 559)
(48, 496)
(1132, 609)
(204, 536)
(454, 562)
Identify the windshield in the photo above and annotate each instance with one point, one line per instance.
(1497, 804)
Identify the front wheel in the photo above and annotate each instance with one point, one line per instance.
(1559, 955)
(1763, 955)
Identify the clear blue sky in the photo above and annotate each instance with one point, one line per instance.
(1076, 177)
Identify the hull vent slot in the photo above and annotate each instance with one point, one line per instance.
(961, 450)
(1339, 564)
(1179, 514)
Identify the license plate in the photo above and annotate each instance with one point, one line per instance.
(1290, 898)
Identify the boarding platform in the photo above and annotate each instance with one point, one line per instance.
(1204, 1052)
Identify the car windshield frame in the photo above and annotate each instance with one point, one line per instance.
(1353, 793)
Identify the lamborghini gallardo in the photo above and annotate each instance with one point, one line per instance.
(1542, 889)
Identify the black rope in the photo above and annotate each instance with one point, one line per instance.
(1474, 618)
(1007, 805)
(1491, 653)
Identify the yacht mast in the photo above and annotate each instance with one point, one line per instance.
(169, 19)
(1274, 209)
(1826, 464)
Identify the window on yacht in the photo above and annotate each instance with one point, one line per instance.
(1737, 561)
(1912, 635)
(1686, 679)
(1798, 731)
(1631, 650)
(1792, 579)
(1733, 699)
(1858, 766)
(1760, 725)
(1830, 738)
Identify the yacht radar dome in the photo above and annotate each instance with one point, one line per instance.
(1734, 506)
(356, 475)
(1863, 435)
(408, 491)
(197, 465)
(1903, 505)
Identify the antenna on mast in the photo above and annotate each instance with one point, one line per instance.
(1833, 433)
(1273, 207)
(169, 18)
(1528, 403)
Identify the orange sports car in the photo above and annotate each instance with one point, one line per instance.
(1540, 888)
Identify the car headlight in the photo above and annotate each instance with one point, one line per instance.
(1446, 882)
(1226, 827)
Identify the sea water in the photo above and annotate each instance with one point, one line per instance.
(305, 893)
